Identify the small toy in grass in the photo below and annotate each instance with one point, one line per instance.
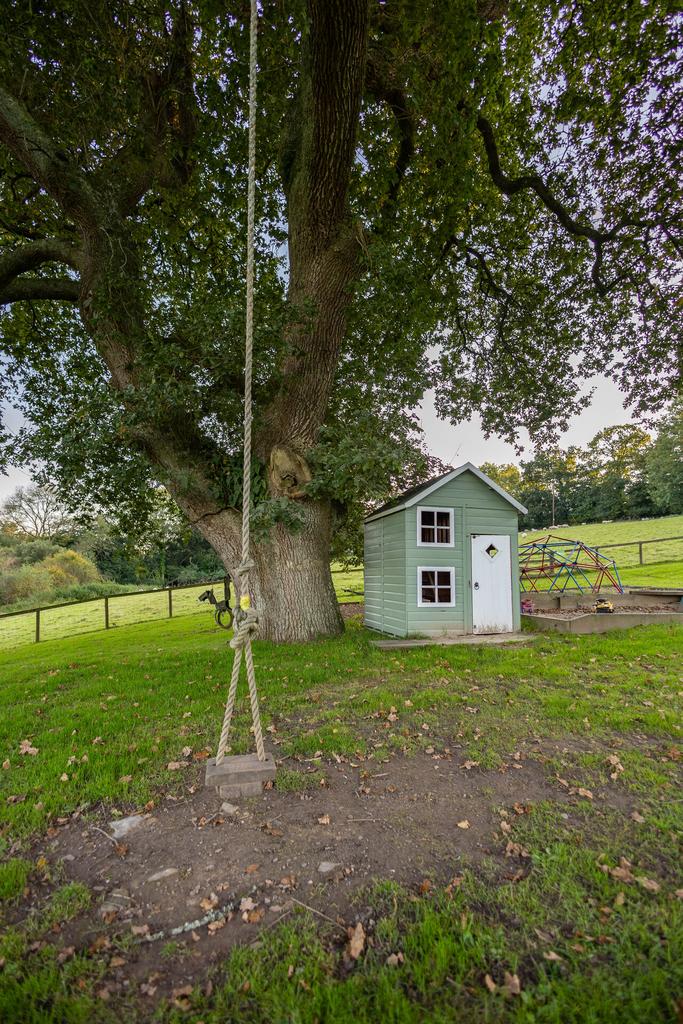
(527, 606)
(603, 606)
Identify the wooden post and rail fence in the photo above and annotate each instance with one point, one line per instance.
(106, 620)
(170, 590)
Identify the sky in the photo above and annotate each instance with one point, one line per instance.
(464, 443)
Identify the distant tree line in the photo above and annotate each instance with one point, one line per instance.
(48, 555)
(622, 473)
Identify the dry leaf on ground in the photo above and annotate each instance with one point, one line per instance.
(356, 941)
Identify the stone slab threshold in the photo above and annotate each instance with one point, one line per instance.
(449, 640)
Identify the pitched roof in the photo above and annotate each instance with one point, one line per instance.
(412, 496)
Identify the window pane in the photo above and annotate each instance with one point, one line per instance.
(443, 536)
(443, 519)
(428, 578)
(427, 518)
(428, 595)
(444, 579)
(444, 595)
(427, 534)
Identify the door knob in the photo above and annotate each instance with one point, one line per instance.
(476, 586)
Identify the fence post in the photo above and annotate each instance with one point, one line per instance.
(640, 551)
(106, 613)
(170, 603)
(37, 625)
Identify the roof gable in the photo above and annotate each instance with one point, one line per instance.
(412, 496)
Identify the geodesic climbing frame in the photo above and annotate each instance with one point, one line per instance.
(556, 563)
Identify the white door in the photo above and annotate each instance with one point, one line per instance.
(491, 584)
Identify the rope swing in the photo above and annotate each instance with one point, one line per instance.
(246, 618)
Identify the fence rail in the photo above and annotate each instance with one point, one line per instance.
(106, 621)
(636, 543)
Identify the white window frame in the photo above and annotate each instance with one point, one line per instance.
(435, 543)
(435, 568)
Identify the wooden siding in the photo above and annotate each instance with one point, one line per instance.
(372, 560)
(385, 596)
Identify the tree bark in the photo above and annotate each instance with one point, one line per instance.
(291, 583)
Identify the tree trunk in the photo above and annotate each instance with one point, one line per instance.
(291, 584)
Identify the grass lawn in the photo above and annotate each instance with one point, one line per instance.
(576, 934)
(595, 534)
(124, 609)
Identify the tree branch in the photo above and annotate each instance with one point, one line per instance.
(578, 228)
(379, 86)
(61, 288)
(50, 167)
(34, 255)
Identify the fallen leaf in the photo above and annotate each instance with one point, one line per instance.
(425, 886)
(126, 778)
(454, 884)
(324, 819)
(464, 823)
(174, 766)
(5, 765)
(186, 751)
(394, 959)
(63, 777)
(356, 941)
(246, 904)
(516, 850)
(26, 747)
(209, 902)
(552, 956)
(648, 884)
(140, 929)
(468, 765)
(637, 817)
(506, 827)
(117, 961)
(253, 916)
(511, 984)
(251, 869)
(212, 928)
(490, 983)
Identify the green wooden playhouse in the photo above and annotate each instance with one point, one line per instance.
(442, 559)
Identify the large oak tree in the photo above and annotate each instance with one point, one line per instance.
(478, 196)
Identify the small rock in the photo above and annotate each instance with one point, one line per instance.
(123, 826)
(230, 809)
(328, 868)
(165, 873)
(68, 856)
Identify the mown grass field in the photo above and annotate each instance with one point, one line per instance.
(595, 534)
(103, 716)
(124, 609)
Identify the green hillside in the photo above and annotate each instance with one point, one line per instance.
(596, 534)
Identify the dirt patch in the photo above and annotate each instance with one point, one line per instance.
(579, 610)
(350, 609)
(182, 873)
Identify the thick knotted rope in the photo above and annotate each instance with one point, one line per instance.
(246, 617)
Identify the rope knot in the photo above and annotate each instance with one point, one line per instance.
(246, 624)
